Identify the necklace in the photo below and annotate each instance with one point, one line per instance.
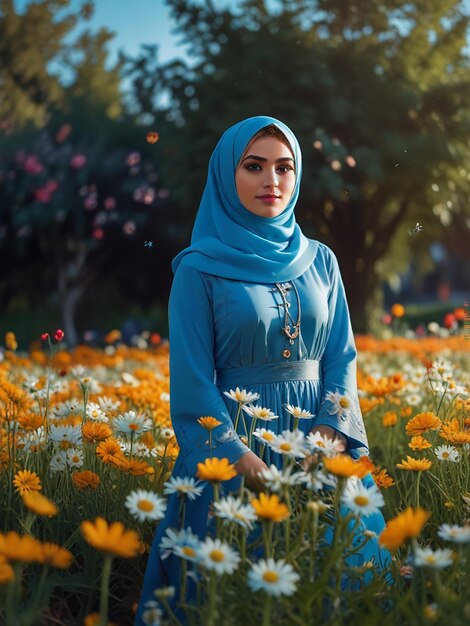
(290, 334)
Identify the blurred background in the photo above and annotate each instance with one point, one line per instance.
(110, 110)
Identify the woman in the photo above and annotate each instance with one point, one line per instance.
(254, 304)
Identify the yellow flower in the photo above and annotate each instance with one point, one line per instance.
(110, 451)
(6, 571)
(422, 422)
(10, 341)
(111, 538)
(25, 481)
(419, 443)
(39, 504)
(85, 479)
(415, 465)
(56, 556)
(93, 619)
(344, 465)
(209, 423)
(216, 470)
(23, 548)
(135, 467)
(404, 526)
(270, 508)
(390, 418)
(382, 479)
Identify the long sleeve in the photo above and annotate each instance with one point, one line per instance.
(193, 393)
(340, 404)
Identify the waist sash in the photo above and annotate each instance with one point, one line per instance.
(267, 373)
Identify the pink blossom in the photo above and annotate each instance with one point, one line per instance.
(43, 195)
(133, 159)
(90, 202)
(109, 203)
(32, 165)
(51, 185)
(98, 233)
(78, 161)
(128, 228)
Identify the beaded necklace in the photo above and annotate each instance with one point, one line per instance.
(286, 329)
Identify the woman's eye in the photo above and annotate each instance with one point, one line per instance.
(284, 168)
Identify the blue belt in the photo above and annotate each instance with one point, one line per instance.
(267, 373)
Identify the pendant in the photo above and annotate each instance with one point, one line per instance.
(286, 353)
(291, 341)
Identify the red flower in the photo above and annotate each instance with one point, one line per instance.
(43, 195)
(59, 335)
(45, 336)
(449, 319)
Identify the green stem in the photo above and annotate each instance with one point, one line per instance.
(212, 599)
(267, 611)
(108, 562)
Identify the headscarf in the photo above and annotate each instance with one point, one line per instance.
(230, 241)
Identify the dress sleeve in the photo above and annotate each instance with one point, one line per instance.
(193, 393)
(340, 408)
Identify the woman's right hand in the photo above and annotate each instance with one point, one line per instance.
(249, 465)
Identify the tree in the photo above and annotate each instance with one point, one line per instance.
(377, 94)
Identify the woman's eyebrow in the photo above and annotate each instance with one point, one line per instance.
(258, 158)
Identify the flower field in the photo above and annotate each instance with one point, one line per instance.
(86, 454)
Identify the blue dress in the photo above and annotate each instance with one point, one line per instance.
(226, 333)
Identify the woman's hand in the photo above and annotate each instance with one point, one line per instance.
(249, 465)
(339, 440)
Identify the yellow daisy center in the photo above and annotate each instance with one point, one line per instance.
(145, 505)
(361, 500)
(217, 555)
(344, 403)
(75, 459)
(270, 576)
(188, 551)
(267, 436)
(286, 447)
(134, 426)
(445, 455)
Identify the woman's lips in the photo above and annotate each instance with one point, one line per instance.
(268, 199)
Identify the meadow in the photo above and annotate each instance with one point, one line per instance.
(86, 454)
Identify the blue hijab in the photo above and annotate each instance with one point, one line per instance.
(230, 241)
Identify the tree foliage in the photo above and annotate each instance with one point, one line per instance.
(376, 92)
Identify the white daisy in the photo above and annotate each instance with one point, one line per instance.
(107, 404)
(322, 443)
(265, 436)
(166, 434)
(74, 457)
(218, 555)
(414, 399)
(61, 409)
(276, 578)
(183, 486)
(233, 510)
(95, 412)
(360, 499)
(145, 505)
(342, 405)
(58, 461)
(296, 411)
(441, 368)
(152, 613)
(71, 434)
(183, 543)
(436, 559)
(242, 396)
(129, 379)
(260, 412)
(318, 480)
(276, 479)
(131, 422)
(447, 453)
(30, 384)
(164, 396)
(290, 443)
(35, 440)
(139, 449)
(452, 532)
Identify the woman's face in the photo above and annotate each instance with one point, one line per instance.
(265, 169)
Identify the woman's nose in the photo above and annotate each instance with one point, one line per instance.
(271, 178)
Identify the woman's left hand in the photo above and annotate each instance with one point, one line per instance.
(339, 440)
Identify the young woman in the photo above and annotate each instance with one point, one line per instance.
(257, 305)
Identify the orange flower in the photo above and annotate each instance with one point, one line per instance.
(398, 310)
(96, 431)
(404, 526)
(422, 422)
(216, 470)
(111, 538)
(135, 467)
(152, 136)
(209, 423)
(24, 548)
(452, 433)
(389, 419)
(113, 336)
(367, 404)
(10, 341)
(30, 421)
(269, 507)
(25, 480)
(367, 463)
(6, 571)
(459, 314)
(382, 479)
(414, 465)
(93, 619)
(56, 556)
(85, 479)
(110, 451)
(39, 504)
(406, 411)
(344, 465)
(419, 443)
